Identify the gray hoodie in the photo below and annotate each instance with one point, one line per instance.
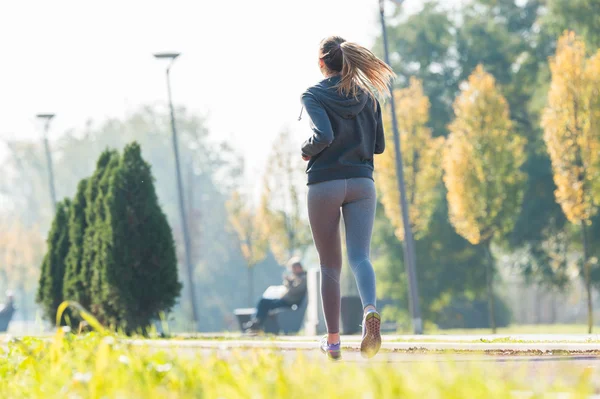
(347, 132)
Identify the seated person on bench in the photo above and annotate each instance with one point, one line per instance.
(295, 291)
(6, 311)
(8, 308)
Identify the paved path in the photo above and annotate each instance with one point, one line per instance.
(498, 345)
(421, 338)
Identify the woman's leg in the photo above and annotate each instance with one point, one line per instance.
(324, 201)
(359, 216)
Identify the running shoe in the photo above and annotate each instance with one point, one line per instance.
(371, 336)
(333, 351)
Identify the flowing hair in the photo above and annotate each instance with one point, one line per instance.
(359, 68)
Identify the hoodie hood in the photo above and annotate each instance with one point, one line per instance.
(347, 133)
(346, 107)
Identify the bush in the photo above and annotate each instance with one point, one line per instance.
(94, 218)
(137, 265)
(50, 287)
(74, 281)
(112, 250)
(467, 313)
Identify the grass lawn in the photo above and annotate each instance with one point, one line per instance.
(98, 365)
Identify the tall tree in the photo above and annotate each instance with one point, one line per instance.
(422, 163)
(422, 45)
(74, 286)
(573, 141)
(449, 268)
(136, 260)
(50, 287)
(442, 48)
(248, 226)
(482, 168)
(500, 35)
(282, 201)
(95, 191)
(592, 72)
(581, 16)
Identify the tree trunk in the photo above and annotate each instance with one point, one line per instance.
(250, 286)
(538, 305)
(588, 280)
(553, 309)
(490, 287)
(190, 212)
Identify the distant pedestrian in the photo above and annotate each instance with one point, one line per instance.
(345, 118)
(294, 286)
(6, 311)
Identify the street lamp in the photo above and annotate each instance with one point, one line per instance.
(186, 237)
(409, 244)
(47, 118)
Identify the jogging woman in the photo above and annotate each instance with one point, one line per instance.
(345, 118)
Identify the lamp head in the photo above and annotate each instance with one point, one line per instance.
(170, 56)
(45, 116)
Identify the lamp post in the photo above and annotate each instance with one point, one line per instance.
(409, 244)
(184, 226)
(46, 118)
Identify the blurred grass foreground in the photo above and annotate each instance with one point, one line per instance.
(99, 365)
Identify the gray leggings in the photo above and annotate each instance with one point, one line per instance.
(357, 200)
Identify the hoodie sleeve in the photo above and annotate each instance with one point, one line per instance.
(319, 123)
(379, 134)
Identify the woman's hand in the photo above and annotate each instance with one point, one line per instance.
(305, 157)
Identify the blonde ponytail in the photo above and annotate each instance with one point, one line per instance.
(363, 70)
(359, 68)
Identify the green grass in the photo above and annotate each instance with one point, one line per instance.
(98, 365)
(103, 365)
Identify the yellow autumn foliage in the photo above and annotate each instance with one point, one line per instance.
(247, 224)
(570, 122)
(482, 162)
(282, 203)
(21, 253)
(593, 145)
(420, 158)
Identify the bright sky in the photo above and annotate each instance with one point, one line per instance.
(244, 63)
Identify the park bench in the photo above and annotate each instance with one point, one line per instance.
(286, 320)
(6, 314)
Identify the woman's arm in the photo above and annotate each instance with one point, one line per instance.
(321, 126)
(379, 134)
